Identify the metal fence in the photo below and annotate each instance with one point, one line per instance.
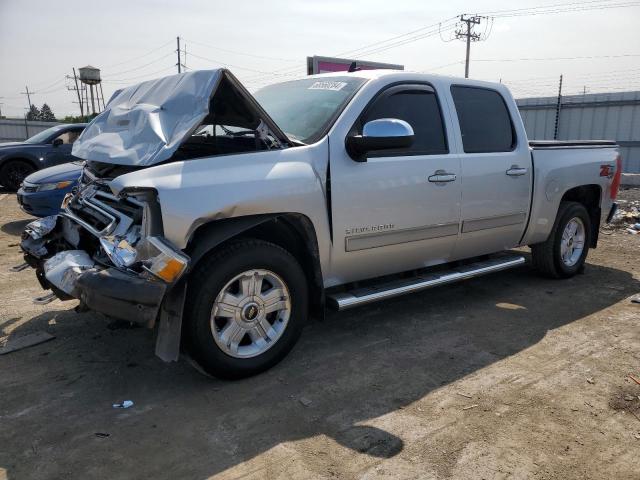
(17, 129)
(600, 116)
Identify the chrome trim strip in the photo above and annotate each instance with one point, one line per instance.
(345, 300)
(493, 222)
(394, 237)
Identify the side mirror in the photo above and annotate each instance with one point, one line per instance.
(57, 142)
(381, 134)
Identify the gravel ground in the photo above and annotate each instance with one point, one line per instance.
(506, 376)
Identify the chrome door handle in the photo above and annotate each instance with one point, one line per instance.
(516, 171)
(441, 176)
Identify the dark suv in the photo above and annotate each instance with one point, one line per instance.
(45, 149)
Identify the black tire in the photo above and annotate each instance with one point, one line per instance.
(13, 172)
(209, 279)
(546, 257)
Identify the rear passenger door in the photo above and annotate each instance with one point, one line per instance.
(496, 171)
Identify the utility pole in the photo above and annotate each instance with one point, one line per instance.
(178, 50)
(558, 105)
(470, 36)
(75, 79)
(26, 92)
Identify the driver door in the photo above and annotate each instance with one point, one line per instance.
(389, 213)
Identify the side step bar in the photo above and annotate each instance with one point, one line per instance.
(362, 296)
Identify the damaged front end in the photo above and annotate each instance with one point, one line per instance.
(106, 251)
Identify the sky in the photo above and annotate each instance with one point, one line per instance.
(261, 42)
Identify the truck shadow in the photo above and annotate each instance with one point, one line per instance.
(344, 375)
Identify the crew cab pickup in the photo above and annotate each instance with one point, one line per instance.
(225, 219)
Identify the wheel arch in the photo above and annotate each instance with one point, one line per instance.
(292, 231)
(590, 197)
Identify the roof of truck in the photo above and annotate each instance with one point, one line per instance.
(402, 75)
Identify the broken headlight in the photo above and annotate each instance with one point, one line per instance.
(162, 260)
(152, 254)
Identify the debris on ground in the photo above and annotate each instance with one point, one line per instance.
(125, 404)
(44, 299)
(19, 268)
(464, 395)
(634, 379)
(627, 217)
(102, 435)
(590, 380)
(13, 344)
(305, 401)
(471, 406)
(635, 299)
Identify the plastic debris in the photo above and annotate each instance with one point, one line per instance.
(19, 268)
(590, 380)
(632, 231)
(44, 299)
(125, 404)
(471, 406)
(635, 299)
(102, 435)
(305, 401)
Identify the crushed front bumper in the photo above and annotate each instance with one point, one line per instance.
(73, 273)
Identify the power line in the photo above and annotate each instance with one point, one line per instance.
(140, 56)
(235, 52)
(141, 66)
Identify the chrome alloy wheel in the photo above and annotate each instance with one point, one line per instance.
(250, 313)
(572, 242)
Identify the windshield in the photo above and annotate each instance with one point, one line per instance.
(44, 135)
(304, 109)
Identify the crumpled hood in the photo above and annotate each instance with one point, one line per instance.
(144, 124)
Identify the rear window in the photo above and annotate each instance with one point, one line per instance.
(484, 120)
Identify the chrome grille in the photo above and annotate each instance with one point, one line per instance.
(102, 213)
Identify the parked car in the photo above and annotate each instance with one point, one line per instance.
(45, 149)
(42, 192)
(343, 188)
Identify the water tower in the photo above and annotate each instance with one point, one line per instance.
(91, 76)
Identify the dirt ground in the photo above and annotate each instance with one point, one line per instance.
(505, 376)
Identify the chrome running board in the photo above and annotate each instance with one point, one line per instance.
(389, 289)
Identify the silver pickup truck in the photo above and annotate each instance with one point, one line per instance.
(225, 219)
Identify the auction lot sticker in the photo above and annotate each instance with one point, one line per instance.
(335, 86)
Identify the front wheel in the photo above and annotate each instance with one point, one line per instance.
(246, 309)
(566, 249)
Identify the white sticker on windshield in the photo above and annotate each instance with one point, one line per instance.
(335, 86)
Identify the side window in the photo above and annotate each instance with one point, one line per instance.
(69, 136)
(484, 120)
(419, 108)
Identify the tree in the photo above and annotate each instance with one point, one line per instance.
(33, 113)
(46, 115)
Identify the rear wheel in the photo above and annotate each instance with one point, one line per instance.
(566, 249)
(13, 173)
(246, 309)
